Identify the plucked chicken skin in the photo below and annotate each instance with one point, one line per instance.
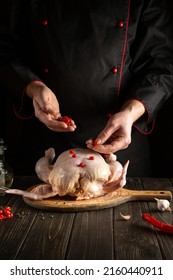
(80, 173)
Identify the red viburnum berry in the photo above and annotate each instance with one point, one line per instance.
(65, 119)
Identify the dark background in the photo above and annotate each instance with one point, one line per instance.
(161, 139)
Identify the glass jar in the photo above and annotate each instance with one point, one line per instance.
(6, 172)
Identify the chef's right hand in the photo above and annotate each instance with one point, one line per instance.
(46, 107)
(117, 133)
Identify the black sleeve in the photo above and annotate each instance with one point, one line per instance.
(152, 64)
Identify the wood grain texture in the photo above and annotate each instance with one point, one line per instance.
(48, 238)
(132, 239)
(102, 234)
(92, 236)
(165, 240)
(13, 232)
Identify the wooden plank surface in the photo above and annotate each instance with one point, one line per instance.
(14, 231)
(48, 237)
(165, 240)
(102, 234)
(132, 239)
(92, 236)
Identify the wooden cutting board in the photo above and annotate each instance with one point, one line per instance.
(68, 204)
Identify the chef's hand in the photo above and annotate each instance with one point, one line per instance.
(46, 107)
(117, 133)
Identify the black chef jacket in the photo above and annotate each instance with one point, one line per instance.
(93, 55)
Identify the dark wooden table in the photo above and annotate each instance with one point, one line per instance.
(34, 234)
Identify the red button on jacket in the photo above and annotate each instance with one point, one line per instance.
(46, 70)
(114, 70)
(45, 22)
(121, 24)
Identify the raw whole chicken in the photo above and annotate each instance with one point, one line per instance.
(80, 173)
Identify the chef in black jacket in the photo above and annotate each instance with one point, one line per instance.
(107, 64)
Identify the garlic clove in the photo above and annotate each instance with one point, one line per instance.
(163, 204)
(125, 217)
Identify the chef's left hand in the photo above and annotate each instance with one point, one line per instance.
(117, 133)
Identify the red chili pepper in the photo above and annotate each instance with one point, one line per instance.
(73, 155)
(158, 224)
(71, 152)
(65, 119)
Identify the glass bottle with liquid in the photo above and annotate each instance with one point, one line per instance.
(6, 172)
